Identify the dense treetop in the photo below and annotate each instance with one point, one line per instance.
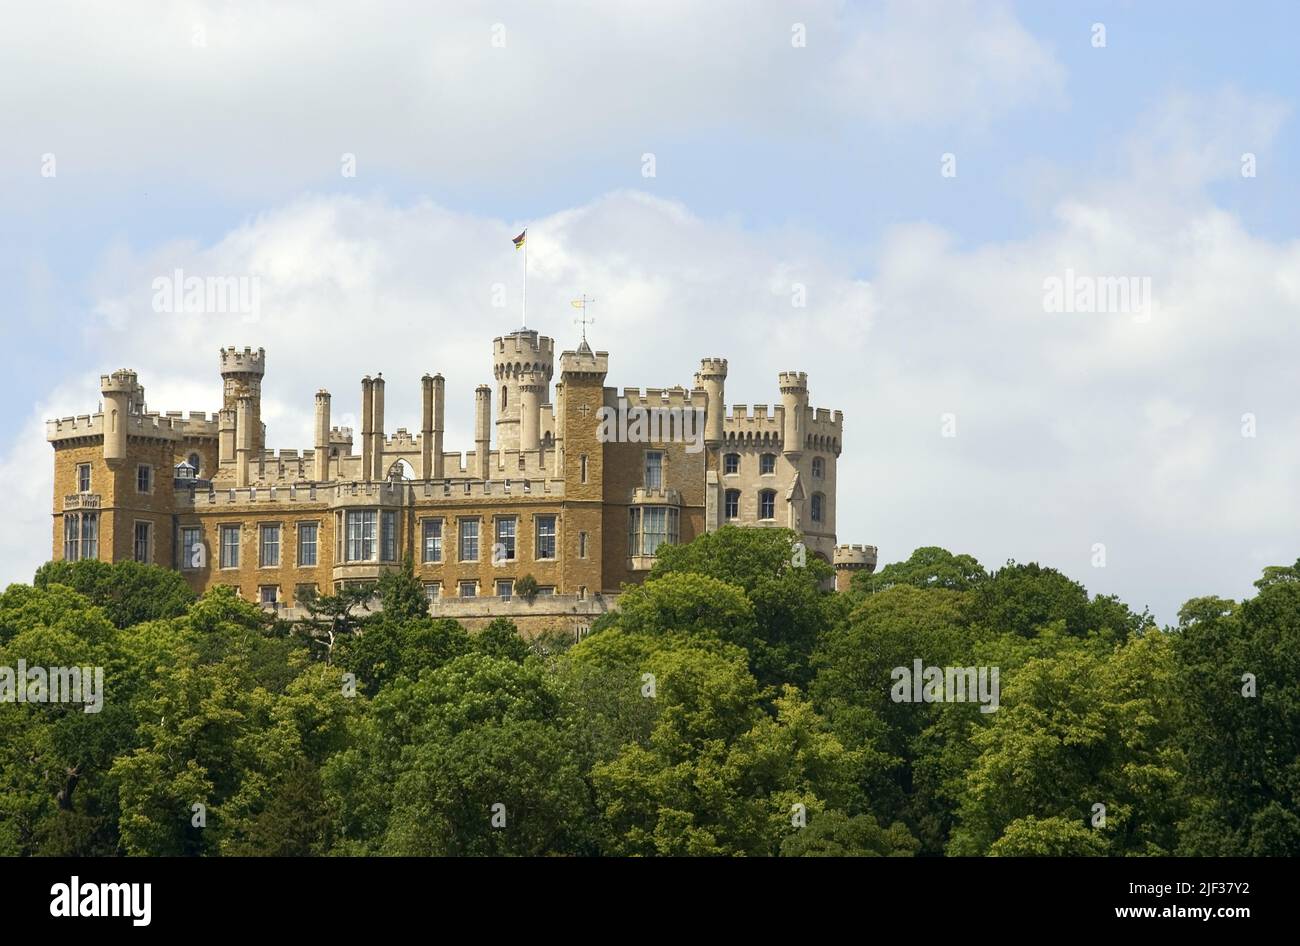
(731, 705)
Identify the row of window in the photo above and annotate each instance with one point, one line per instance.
(767, 465)
(143, 478)
(767, 505)
(504, 589)
(143, 475)
(359, 540)
(268, 545)
(505, 548)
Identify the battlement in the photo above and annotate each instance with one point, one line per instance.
(855, 557)
(738, 415)
(712, 368)
(121, 381)
(793, 381)
(826, 422)
(82, 425)
(234, 361)
(584, 362)
(676, 398)
(523, 351)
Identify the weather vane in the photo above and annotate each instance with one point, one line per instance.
(584, 320)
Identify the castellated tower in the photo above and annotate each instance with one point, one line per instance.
(712, 376)
(794, 400)
(241, 377)
(851, 559)
(120, 390)
(523, 363)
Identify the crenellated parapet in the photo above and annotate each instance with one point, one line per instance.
(246, 362)
(675, 398)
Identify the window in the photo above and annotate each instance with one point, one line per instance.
(505, 547)
(468, 541)
(268, 548)
(305, 594)
(582, 545)
(192, 548)
(503, 397)
(767, 464)
(654, 469)
(650, 527)
(432, 540)
(90, 535)
(144, 479)
(545, 537)
(546, 592)
(432, 590)
(732, 506)
(230, 546)
(268, 594)
(194, 462)
(767, 504)
(582, 467)
(469, 589)
(388, 538)
(360, 545)
(143, 533)
(819, 467)
(731, 464)
(818, 502)
(83, 478)
(307, 532)
(504, 589)
(71, 537)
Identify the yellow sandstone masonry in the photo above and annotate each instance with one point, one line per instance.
(579, 505)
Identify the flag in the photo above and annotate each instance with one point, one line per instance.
(519, 240)
(579, 303)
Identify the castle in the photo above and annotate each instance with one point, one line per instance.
(582, 487)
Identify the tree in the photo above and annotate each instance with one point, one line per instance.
(501, 639)
(330, 618)
(1238, 675)
(400, 593)
(928, 567)
(782, 581)
(527, 588)
(129, 592)
(1087, 738)
(835, 834)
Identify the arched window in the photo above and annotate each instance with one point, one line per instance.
(819, 468)
(732, 509)
(731, 463)
(818, 507)
(767, 504)
(503, 397)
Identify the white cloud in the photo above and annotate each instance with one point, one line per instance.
(1072, 428)
(276, 94)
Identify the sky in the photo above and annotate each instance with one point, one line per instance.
(879, 194)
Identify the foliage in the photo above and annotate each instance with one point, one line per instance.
(129, 593)
(730, 705)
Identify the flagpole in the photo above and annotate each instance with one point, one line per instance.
(523, 320)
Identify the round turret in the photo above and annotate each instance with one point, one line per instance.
(849, 559)
(523, 364)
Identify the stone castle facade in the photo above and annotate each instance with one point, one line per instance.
(581, 487)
